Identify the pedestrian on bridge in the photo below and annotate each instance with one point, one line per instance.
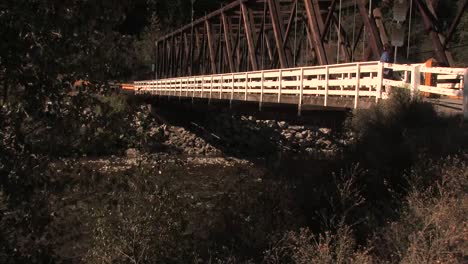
(386, 58)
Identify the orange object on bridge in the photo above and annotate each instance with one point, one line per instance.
(428, 80)
(127, 86)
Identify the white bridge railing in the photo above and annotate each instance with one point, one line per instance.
(351, 80)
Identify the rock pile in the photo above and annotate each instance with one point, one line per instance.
(180, 140)
(310, 140)
(246, 135)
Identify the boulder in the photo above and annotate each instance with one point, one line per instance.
(323, 143)
(132, 153)
(325, 130)
(282, 124)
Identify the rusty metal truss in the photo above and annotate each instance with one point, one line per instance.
(251, 35)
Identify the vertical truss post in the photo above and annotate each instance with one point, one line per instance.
(228, 41)
(278, 30)
(318, 15)
(199, 60)
(190, 71)
(291, 19)
(156, 61)
(344, 44)
(185, 71)
(429, 26)
(455, 23)
(330, 14)
(171, 56)
(314, 35)
(375, 42)
(250, 36)
(269, 50)
(210, 47)
(182, 54)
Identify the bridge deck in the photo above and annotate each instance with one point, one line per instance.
(350, 85)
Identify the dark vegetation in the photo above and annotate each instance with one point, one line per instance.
(397, 191)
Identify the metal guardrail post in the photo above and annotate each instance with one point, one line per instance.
(211, 89)
(168, 92)
(301, 87)
(202, 86)
(378, 96)
(232, 91)
(221, 87)
(358, 84)
(261, 92)
(415, 80)
(246, 85)
(325, 101)
(280, 85)
(193, 88)
(342, 86)
(465, 95)
(180, 91)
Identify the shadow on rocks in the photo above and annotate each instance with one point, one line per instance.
(213, 130)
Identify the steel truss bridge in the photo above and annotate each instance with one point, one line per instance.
(304, 52)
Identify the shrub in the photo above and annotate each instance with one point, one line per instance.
(432, 224)
(305, 247)
(390, 138)
(137, 228)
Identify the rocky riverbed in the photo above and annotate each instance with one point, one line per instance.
(239, 135)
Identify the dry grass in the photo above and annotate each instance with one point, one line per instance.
(329, 247)
(433, 226)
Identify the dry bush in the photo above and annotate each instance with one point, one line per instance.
(139, 222)
(392, 137)
(433, 223)
(305, 247)
(335, 245)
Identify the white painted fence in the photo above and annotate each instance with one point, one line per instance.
(355, 80)
(455, 76)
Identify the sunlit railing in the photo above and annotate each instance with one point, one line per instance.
(356, 80)
(351, 80)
